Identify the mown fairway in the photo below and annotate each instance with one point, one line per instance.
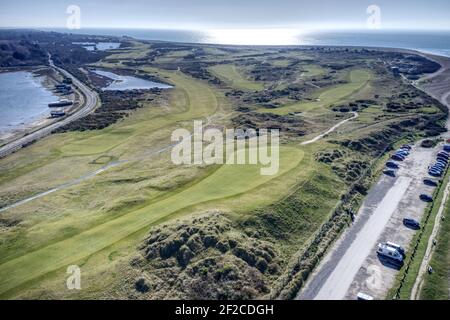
(221, 184)
(197, 101)
(326, 97)
(232, 76)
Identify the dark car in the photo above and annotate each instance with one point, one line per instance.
(439, 165)
(411, 223)
(391, 164)
(430, 182)
(434, 173)
(426, 198)
(406, 146)
(398, 157)
(436, 168)
(390, 173)
(443, 154)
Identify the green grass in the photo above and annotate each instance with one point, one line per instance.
(436, 285)
(230, 74)
(312, 70)
(281, 63)
(221, 184)
(326, 97)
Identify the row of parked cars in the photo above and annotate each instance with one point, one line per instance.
(442, 158)
(399, 155)
(394, 252)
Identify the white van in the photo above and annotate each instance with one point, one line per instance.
(399, 248)
(389, 252)
(363, 296)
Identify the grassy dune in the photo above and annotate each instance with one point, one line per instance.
(231, 75)
(326, 97)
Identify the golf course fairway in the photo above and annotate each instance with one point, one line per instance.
(226, 182)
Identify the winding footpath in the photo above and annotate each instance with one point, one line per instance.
(333, 128)
(91, 100)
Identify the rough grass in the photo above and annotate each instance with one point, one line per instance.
(312, 70)
(235, 78)
(326, 97)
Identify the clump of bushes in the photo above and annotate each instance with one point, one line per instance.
(205, 258)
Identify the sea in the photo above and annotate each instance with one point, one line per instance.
(437, 42)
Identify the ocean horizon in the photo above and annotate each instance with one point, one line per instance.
(436, 42)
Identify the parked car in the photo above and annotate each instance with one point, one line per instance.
(443, 154)
(406, 146)
(434, 173)
(414, 224)
(397, 157)
(426, 198)
(402, 152)
(389, 252)
(363, 296)
(447, 147)
(435, 168)
(392, 164)
(389, 172)
(397, 247)
(430, 182)
(443, 158)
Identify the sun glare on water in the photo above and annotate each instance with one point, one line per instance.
(254, 36)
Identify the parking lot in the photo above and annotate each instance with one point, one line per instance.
(352, 265)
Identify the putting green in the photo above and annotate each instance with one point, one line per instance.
(325, 98)
(228, 181)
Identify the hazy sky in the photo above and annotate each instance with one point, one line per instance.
(207, 14)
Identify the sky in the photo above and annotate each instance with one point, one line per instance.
(213, 14)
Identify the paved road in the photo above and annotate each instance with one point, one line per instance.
(90, 102)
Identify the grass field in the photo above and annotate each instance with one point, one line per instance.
(230, 74)
(221, 184)
(326, 97)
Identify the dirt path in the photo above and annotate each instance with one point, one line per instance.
(320, 136)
